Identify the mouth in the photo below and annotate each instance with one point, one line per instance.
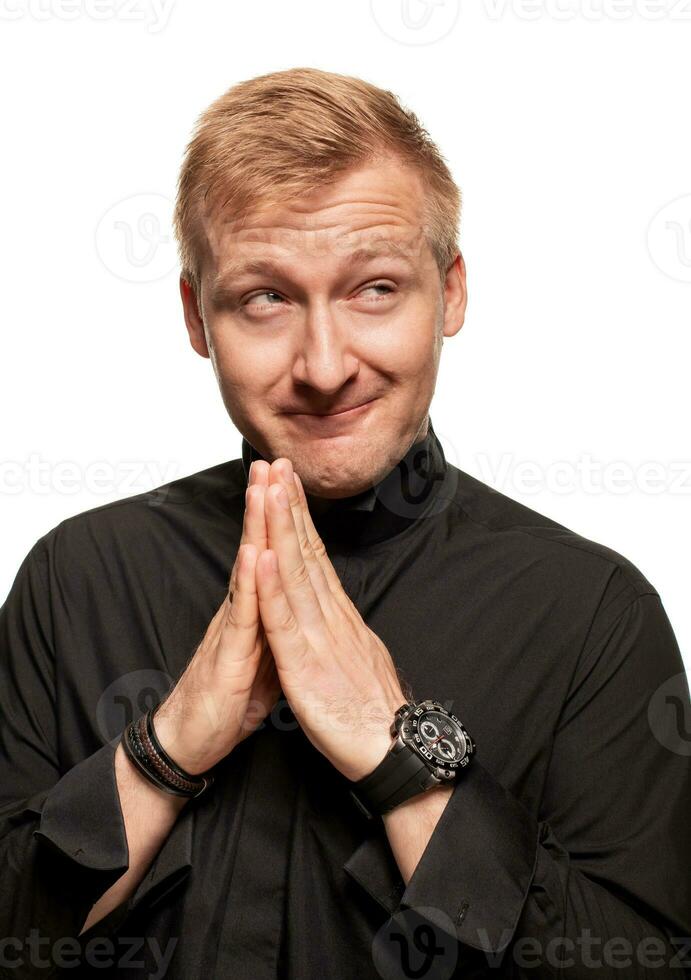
(343, 411)
(333, 418)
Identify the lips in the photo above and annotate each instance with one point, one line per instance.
(341, 411)
(344, 411)
(335, 418)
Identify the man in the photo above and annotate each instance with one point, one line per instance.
(258, 816)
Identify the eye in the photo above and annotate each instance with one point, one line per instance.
(378, 285)
(267, 292)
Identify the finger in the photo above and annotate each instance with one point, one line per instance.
(317, 545)
(221, 615)
(288, 643)
(256, 533)
(254, 524)
(259, 472)
(234, 653)
(253, 529)
(255, 521)
(282, 471)
(242, 614)
(243, 536)
(293, 572)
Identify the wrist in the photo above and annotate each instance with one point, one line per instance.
(430, 748)
(127, 774)
(431, 802)
(141, 744)
(369, 758)
(176, 746)
(374, 736)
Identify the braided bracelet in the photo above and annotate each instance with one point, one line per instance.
(146, 752)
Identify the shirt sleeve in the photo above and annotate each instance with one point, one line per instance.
(62, 833)
(600, 881)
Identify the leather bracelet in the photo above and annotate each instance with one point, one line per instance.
(170, 776)
(146, 752)
(135, 751)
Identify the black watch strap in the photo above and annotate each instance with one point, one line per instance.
(400, 775)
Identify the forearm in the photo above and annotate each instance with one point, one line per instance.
(149, 814)
(409, 827)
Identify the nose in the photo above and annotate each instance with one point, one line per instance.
(324, 359)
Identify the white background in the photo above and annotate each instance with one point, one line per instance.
(566, 126)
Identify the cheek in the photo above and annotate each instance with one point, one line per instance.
(247, 364)
(407, 349)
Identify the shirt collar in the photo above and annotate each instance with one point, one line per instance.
(411, 490)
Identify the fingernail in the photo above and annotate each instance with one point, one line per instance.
(283, 498)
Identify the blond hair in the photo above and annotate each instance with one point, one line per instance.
(280, 135)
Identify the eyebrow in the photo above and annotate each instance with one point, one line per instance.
(267, 267)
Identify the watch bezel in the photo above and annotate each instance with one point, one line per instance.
(406, 726)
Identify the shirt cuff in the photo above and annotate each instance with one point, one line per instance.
(82, 819)
(477, 867)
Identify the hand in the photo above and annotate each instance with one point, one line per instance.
(230, 685)
(335, 672)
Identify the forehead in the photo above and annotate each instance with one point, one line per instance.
(376, 210)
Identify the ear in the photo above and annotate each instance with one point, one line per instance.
(455, 297)
(193, 319)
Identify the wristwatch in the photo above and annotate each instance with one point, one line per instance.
(431, 748)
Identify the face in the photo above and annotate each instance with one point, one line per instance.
(324, 319)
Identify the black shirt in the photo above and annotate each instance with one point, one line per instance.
(568, 831)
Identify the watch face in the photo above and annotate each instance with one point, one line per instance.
(438, 736)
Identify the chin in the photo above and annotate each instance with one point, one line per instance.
(336, 493)
(331, 490)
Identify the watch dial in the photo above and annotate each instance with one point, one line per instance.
(442, 737)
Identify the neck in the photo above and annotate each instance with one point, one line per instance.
(320, 505)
